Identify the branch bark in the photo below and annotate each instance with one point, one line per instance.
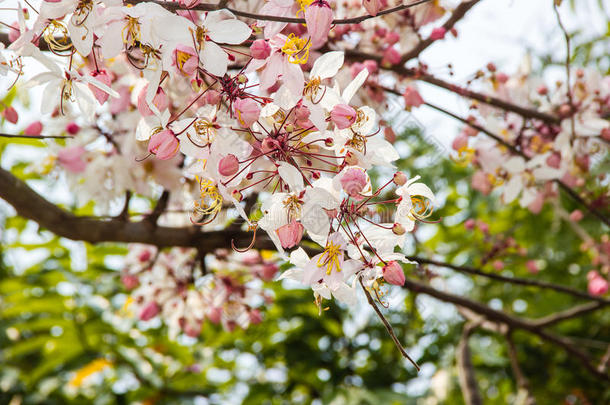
(467, 378)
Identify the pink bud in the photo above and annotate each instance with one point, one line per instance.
(372, 6)
(72, 128)
(130, 281)
(371, 65)
(400, 178)
(193, 330)
(319, 17)
(597, 285)
(398, 229)
(11, 115)
(391, 56)
(606, 134)
(438, 33)
(532, 267)
(343, 116)
(502, 77)
(260, 49)
(212, 97)
(389, 134)
(149, 311)
(160, 101)
(353, 181)
(480, 182)
(103, 77)
(460, 141)
(71, 159)
(185, 59)
(393, 273)
(576, 215)
(228, 165)
(164, 144)
(469, 224)
(356, 68)
(412, 97)
(498, 265)
(392, 37)
(247, 111)
(554, 160)
(542, 90)
(144, 256)
(122, 102)
(536, 206)
(483, 226)
(35, 128)
(268, 145)
(290, 234)
(269, 270)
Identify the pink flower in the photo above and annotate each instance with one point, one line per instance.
(372, 6)
(532, 267)
(14, 34)
(130, 281)
(393, 273)
(483, 226)
(149, 311)
(319, 17)
(212, 97)
(185, 59)
(438, 33)
(103, 77)
(343, 116)
(11, 115)
(412, 97)
(255, 317)
(72, 128)
(247, 111)
(260, 49)
(290, 234)
(35, 128)
(392, 37)
(554, 160)
(164, 144)
(72, 159)
(469, 224)
(498, 265)
(353, 181)
(597, 284)
(160, 101)
(576, 215)
(502, 77)
(400, 179)
(268, 271)
(605, 134)
(391, 56)
(228, 165)
(190, 329)
(536, 206)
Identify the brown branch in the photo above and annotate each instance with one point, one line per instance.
(387, 325)
(456, 16)
(466, 374)
(567, 314)
(36, 136)
(513, 280)
(171, 6)
(522, 382)
(159, 209)
(511, 321)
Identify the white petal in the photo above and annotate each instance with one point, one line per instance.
(327, 65)
(214, 59)
(291, 176)
(354, 85)
(229, 31)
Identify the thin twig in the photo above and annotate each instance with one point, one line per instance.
(387, 325)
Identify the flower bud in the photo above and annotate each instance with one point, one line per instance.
(398, 229)
(72, 128)
(391, 56)
(400, 178)
(164, 144)
(214, 314)
(268, 145)
(319, 18)
(412, 97)
(597, 284)
(393, 273)
(260, 49)
(438, 33)
(372, 6)
(576, 215)
(35, 128)
(103, 77)
(247, 111)
(469, 224)
(460, 141)
(228, 165)
(343, 116)
(149, 311)
(290, 234)
(605, 134)
(498, 265)
(11, 115)
(353, 181)
(532, 266)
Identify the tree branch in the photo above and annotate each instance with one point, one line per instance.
(467, 378)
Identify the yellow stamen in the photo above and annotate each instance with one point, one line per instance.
(132, 29)
(56, 35)
(421, 207)
(297, 49)
(330, 258)
(93, 367)
(211, 200)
